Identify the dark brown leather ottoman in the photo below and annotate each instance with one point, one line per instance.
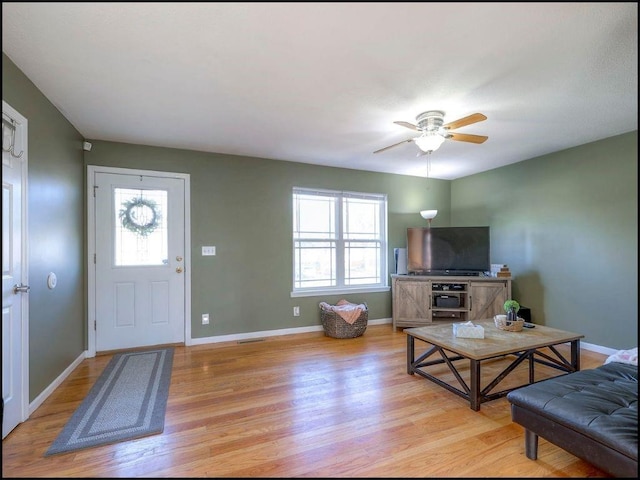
(592, 414)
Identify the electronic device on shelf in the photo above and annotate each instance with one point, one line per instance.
(447, 301)
(446, 314)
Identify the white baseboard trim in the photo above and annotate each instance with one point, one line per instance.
(597, 348)
(270, 333)
(39, 400)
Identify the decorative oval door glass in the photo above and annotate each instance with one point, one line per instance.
(140, 227)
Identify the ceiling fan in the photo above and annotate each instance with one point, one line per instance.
(434, 131)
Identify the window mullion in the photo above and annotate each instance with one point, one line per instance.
(340, 254)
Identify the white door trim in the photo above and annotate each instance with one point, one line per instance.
(92, 170)
(24, 257)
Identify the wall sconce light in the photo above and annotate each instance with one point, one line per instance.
(428, 215)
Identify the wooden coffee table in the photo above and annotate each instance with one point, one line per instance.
(517, 346)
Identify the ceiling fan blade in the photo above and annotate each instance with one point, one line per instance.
(465, 137)
(394, 145)
(463, 122)
(408, 125)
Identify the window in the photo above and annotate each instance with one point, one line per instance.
(339, 241)
(141, 233)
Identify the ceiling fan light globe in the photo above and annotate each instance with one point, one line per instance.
(429, 142)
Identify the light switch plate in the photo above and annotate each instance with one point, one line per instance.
(208, 251)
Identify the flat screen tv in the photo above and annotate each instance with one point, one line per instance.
(448, 250)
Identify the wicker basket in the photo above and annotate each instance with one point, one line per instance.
(335, 326)
(502, 323)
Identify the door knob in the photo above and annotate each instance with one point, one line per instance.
(21, 288)
(179, 269)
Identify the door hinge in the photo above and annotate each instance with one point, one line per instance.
(94, 258)
(94, 190)
(95, 325)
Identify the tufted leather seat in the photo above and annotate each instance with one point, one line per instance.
(592, 414)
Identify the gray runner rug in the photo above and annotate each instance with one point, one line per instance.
(128, 401)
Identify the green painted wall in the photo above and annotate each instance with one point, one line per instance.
(567, 226)
(56, 226)
(243, 206)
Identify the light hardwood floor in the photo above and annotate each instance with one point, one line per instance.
(301, 405)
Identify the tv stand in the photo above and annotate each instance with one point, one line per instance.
(419, 300)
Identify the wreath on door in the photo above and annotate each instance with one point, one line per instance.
(140, 216)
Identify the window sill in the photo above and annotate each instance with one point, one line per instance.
(342, 291)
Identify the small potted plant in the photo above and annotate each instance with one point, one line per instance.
(511, 307)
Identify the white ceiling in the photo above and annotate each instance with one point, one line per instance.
(323, 83)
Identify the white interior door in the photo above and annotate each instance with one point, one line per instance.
(15, 305)
(139, 261)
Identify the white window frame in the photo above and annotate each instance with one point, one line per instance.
(341, 288)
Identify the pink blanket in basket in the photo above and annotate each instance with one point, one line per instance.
(347, 310)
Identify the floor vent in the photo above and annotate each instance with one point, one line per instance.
(250, 340)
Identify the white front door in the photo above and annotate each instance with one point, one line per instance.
(15, 304)
(139, 260)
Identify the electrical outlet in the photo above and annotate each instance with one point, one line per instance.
(296, 311)
(205, 319)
